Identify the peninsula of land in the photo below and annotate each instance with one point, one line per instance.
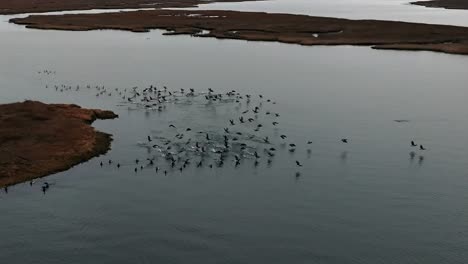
(38, 139)
(448, 4)
(259, 26)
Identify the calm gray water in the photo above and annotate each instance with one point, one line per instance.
(364, 202)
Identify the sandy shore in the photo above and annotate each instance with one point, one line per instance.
(39, 139)
(255, 26)
(448, 4)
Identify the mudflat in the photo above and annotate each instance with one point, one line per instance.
(258, 26)
(38, 139)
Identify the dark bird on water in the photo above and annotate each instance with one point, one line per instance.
(421, 147)
(309, 142)
(283, 136)
(298, 163)
(413, 144)
(149, 139)
(344, 140)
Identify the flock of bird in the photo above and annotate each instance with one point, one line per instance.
(241, 139)
(47, 72)
(186, 144)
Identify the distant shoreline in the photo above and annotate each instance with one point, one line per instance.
(447, 4)
(38, 139)
(259, 26)
(12, 7)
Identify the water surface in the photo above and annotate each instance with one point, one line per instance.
(364, 202)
